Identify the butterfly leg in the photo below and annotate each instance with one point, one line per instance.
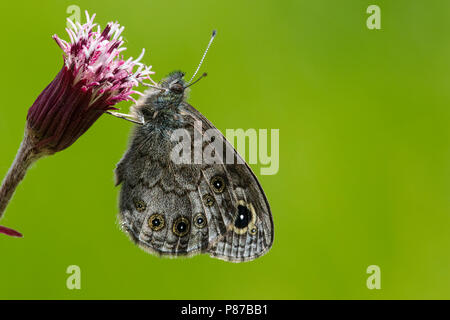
(127, 117)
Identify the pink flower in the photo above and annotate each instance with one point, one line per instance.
(93, 79)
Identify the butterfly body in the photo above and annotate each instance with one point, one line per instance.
(182, 209)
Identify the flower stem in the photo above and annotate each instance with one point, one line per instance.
(25, 157)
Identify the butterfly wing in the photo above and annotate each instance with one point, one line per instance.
(185, 209)
(158, 198)
(240, 213)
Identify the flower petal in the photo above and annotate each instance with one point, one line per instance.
(10, 232)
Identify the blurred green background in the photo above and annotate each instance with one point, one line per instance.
(364, 173)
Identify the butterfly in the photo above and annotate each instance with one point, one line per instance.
(183, 209)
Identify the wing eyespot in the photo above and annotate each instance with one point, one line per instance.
(208, 200)
(218, 184)
(245, 220)
(253, 230)
(156, 222)
(140, 205)
(243, 217)
(200, 220)
(181, 226)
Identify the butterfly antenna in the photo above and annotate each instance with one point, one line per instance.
(199, 78)
(204, 55)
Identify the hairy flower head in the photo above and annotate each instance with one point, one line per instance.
(93, 79)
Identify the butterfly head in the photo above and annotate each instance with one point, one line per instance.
(174, 83)
(174, 86)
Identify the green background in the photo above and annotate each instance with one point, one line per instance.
(364, 173)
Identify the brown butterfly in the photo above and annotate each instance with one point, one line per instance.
(183, 209)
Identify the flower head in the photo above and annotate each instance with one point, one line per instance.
(93, 79)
